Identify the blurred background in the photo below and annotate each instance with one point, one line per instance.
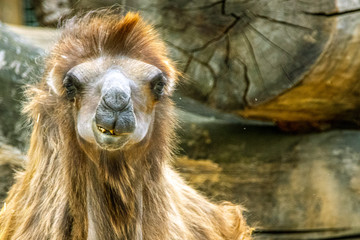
(268, 105)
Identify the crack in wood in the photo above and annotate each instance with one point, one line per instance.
(227, 51)
(247, 83)
(332, 14)
(227, 63)
(271, 42)
(202, 7)
(281, 22)
(190, 55)
(227, 29)
(287, 75)
(256, 64)
(223, 7)
(218, 38)
(188, 63)
(241, 23)
(171, 7)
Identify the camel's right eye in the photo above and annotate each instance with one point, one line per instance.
(70, 84)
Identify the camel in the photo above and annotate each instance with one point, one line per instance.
(103, 139)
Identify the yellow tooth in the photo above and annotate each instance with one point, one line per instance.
(112, 132)
(102, 129)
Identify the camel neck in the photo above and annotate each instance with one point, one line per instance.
(114, 198)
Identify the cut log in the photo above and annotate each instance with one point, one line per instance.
(330, 90)
(283, 61)
(295, 63)
(246, 52)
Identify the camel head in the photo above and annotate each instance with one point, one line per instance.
(114, 75)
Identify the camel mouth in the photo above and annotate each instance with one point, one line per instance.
(105, 131)
(107, 139)
(110, 132)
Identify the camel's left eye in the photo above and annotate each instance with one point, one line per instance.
(70, 85)
(159, 88)
(158, 85)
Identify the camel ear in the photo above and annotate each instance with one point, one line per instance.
(170, 86)
(52, 82)
(172, 76)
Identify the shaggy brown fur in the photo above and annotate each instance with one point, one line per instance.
(72, 189)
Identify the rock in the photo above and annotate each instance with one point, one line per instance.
(287, 182)
(20, 64)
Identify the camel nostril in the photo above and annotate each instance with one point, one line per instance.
(116, 100)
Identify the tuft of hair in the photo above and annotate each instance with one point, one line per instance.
(106, 32)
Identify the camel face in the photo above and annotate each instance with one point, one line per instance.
(115, 100)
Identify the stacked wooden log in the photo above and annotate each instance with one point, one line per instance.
(295, 63)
